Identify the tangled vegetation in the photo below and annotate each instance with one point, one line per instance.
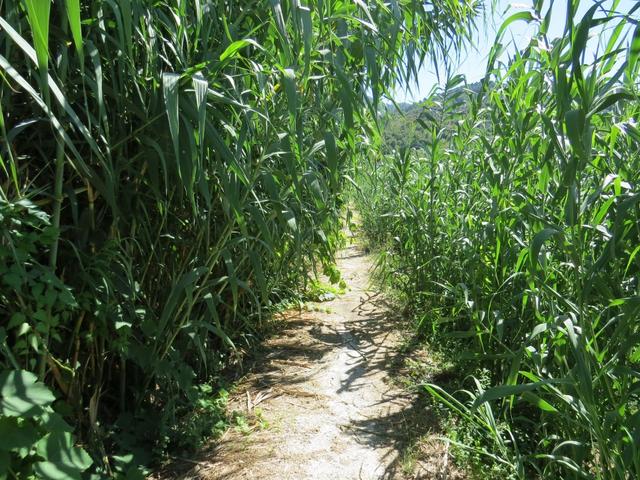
(514, 234)
(170, 171)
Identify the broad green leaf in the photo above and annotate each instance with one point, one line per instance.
(17, 435)
(22, 395)
(56, 471)
(61, 455)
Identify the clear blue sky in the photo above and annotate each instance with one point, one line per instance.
(472, 64)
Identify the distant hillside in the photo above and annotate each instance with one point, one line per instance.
(403, 129)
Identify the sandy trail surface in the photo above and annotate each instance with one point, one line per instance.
(323, 390)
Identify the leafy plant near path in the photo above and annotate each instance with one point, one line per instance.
(515, 234)
(35, 438)
(170, 171)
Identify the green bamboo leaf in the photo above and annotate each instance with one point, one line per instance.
(290, 218)
(538, 240)
(126, 12)
(78, 162)
(216, 327)
(307, 33)
(200, 87)
(58, 95)
(170, 82)
(289, 81)
(610, 98)
(631, 257)
(276, 6)
(38, 13)
(179, 290)
(575, 122)
(449, 400)
(579, 43)
(332, 157)
(526, 16)
(503, 391)
(73, 15)
(535, 400)
(634, 53)
(261, 280)
(232, 50)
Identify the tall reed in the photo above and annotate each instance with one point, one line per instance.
(515, 232)
(170, 171)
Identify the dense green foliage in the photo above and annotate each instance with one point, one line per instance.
(170, 171)
(515, 233)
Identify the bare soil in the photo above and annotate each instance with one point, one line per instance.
(322, 401)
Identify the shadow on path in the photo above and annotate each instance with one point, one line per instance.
(326, 385)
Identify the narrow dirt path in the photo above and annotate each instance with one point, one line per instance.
(323, 386)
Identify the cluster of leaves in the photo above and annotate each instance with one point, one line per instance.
(171, 170)
(35, 438)
(515, 235)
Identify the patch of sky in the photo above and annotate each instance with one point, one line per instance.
(472, 63)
